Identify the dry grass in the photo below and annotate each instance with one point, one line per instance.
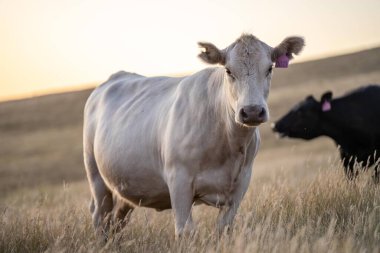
(325, 214)
(298, 201)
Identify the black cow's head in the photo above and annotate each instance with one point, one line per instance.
(303, 120)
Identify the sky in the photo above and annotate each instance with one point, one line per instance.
(53, 45)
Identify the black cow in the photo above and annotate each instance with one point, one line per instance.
(352, 121)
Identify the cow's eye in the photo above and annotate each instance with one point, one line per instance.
(228, 71)
(269, 70)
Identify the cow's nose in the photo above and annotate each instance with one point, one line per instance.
(253, 115)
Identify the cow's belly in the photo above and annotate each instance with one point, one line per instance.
(142, 187)
(215, 187)
(130, 165)
(148, 189)
(213, 199)
(159, 200)
(138, 177)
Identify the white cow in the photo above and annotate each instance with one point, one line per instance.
(166, 142)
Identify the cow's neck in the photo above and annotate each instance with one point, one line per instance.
(329, 129)
(335, 125)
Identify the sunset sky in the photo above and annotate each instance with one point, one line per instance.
(48, 45)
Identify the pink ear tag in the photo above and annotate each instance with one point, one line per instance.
(326, 106)
(282, 61)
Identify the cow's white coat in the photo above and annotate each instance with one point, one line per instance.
(167, 142)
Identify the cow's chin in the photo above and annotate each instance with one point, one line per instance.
(250, 125)
(281, 135)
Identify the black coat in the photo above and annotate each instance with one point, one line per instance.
(352, 121)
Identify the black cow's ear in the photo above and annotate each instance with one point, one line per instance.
(310, 98)
(327, 96)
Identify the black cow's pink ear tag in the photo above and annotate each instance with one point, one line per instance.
(326, 106)
(282, 61)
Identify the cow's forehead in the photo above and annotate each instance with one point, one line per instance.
(305, 104)
(249, 51)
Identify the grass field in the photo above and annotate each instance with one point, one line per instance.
(298, 200)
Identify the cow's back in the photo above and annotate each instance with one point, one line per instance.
(127, 102)
(124, 118)
(123, 90)
(360, 110)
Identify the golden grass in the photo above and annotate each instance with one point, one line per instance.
(325, 214)
(298, 200)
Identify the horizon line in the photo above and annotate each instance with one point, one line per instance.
(93, 84)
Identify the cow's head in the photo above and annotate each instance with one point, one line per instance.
(248, 64)
(304, 120)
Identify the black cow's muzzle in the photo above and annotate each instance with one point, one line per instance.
(275, 128)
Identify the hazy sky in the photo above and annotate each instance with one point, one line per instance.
(50, 44)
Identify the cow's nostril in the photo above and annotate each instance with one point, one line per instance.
(243, 114)
(262, 113)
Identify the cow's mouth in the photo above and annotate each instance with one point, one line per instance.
(251, 124)
(248, 124)
(244, 125)
(278, 132)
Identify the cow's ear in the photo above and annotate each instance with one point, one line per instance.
(288, 47)
(326, 101)
(327, 96)
(211, 54)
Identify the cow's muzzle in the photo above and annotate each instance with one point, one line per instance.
(277, 129)
(253, 115)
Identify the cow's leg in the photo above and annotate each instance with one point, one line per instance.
(228, 212)
(101, 203)
(122, 213)
(103, 207)
(181, 197)
(92, 206)
(226, 217)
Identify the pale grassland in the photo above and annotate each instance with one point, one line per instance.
(298, 200)
(279, 214)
